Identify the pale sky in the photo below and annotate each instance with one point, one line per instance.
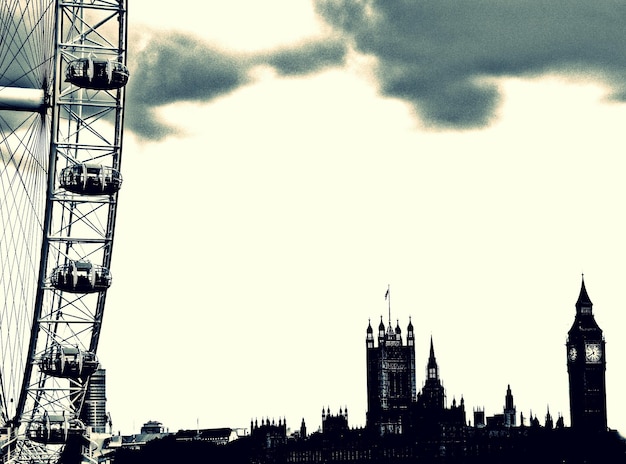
(260, 224)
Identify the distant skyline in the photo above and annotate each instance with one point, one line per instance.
(291, 160)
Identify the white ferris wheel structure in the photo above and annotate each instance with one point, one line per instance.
(62, 84)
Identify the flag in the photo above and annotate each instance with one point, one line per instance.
(387, 293)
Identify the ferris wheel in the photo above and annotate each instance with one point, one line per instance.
(62, 78)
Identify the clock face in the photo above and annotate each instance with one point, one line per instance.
(593, 352)
(572, 353)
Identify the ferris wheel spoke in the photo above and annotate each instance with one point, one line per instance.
(21, 216)
(26, 51)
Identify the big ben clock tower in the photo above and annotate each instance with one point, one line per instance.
(586, 366)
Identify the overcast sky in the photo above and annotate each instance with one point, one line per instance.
(285, 161)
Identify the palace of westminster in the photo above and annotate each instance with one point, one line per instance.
(405, 424)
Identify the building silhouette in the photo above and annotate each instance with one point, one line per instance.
(506, 419)
(94, 413)
(269, 435)
(404, 425)
(586, 366)
(433, 395)
(334, 423)
(390, 378)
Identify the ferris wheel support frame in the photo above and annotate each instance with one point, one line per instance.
(86, 127)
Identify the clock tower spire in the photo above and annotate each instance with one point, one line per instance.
(586, 366)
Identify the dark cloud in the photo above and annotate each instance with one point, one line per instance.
(436, 54)
(179, 67)
(306, 58)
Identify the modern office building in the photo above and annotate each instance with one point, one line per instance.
(94, 413)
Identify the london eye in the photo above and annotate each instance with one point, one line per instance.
(62, 82)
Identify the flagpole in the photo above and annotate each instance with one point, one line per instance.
(388, 296)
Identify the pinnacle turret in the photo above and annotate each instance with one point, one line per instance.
(584, 304)
(432, 370)
(432, 361)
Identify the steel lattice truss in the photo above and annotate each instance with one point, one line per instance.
(62, 77)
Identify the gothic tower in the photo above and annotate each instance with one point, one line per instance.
(433, 393)
(391, 385)
(586, 366)
(509, 408)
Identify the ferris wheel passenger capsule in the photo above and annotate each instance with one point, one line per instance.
(54, 429)
(81, 277)
(68, 362)
(96, 74)
(90, 179)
